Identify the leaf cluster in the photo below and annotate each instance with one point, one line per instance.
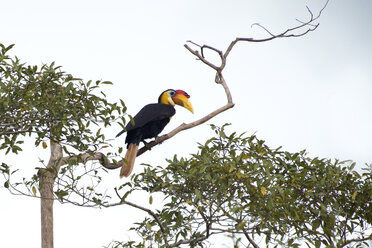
(237, 185)
(51, 104)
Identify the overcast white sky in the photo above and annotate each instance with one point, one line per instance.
(313, 92)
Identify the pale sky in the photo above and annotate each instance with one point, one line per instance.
(313, 92)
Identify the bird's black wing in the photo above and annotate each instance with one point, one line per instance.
(149, 113)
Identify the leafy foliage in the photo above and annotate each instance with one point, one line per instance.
(50, 107)
(51, 104)
(237, 185)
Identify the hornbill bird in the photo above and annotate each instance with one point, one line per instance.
(149, 122)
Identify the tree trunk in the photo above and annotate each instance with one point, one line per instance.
(47, 178)
(46, 212)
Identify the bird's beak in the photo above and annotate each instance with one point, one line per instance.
(182, 100)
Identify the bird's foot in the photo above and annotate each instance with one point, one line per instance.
(158, 140)
(147, 145)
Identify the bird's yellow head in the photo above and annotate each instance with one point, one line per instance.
(173, 97)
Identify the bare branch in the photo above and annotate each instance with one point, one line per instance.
(90, 156)
(163, 231)
(287, 33)
(183, 127)
(201, 57)
(355, 240)
(249, 239)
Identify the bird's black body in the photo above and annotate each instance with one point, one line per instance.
(148, 123)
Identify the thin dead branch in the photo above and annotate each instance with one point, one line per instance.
(289, 33)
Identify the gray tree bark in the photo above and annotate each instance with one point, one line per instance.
(47, 179)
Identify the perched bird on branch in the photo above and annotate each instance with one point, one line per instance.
(149, 122)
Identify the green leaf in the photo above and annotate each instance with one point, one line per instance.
(148, 226)
(354, 195)
(61, 194)
(34, 190)
(9, 47)
(241, 226)
(198, 195)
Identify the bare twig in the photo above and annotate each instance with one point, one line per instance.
(259, 25)
(286, 34)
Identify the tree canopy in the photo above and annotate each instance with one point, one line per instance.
(236, 185)
(50, 104)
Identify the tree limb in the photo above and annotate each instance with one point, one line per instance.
(355, 240)
(163, 231)
(249, 239)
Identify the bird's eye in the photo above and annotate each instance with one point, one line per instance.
(172, 93)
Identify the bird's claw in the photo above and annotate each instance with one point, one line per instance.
(147, 145)
(158, 140)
